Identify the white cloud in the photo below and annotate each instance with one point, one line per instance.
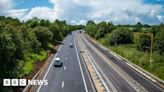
(5, 5)
(118, 11)
(42, 13)
(7, 9)
(79, 11)
(16, 13)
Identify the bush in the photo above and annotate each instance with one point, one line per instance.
(30, 58)
(102, 30)
(144, 43)
(137, 29)
(44, 35)
(121, 36)
(159, 41)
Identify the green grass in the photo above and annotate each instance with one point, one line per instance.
(50, 45)
(30, 59)
(139, 58)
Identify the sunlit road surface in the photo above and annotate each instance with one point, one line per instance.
(73, 75)
(106, 62)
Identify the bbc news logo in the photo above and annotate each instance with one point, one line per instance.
(23, 82)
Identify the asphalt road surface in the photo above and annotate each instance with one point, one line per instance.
(73, 75)
(120, 84)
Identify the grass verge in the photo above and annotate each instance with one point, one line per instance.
(30, 59)
(139, 58)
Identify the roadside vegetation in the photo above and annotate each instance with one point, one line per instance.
(133, 42)
(24, 43)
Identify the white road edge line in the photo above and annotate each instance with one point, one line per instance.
(97, 68)
(90, 79)
(62, 84)
(49, 68)
(139, 72)
(86, 89)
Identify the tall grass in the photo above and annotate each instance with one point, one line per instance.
(139, 58)
(30, 59)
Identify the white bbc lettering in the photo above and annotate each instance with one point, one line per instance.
(6, 82)
(32, 82)
(38, 82)
(45, 82)
(22, 82)
(14, 82)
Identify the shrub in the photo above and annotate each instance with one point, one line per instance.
(144, 43)
(121, 36)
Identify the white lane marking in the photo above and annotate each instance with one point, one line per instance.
(88, 73)
(49, 68)
(64, 67)
(97, 68)
(138, 73)
(86, 89)
(66, 58)
(62, 84)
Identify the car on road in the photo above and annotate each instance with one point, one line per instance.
(70, 33)
(57, 62)
(70, 45)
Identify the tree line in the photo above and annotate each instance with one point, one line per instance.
(123, 34)
(20, 39)
(142, 44)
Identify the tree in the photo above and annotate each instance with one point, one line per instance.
(7, 50)
(32, 23)
(144, 43)
(44, 23)
(121, 36)
(157, 28)
(21, 41)
(102, 30)
(43, 35)
(138, 24)
(29, 39)
(91, 28)
(159, 41)
(57, 35)
(137, 29)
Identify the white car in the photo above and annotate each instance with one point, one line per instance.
(70, 45)
(57, 62)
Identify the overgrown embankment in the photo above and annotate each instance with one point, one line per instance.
(141, 44)
(22, 44)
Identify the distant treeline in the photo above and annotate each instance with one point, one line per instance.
(123, 34)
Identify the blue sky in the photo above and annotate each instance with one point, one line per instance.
(19, 4)
(80, 11)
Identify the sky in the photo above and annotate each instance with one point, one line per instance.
(80, 11)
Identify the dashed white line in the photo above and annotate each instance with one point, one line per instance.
(66, 58)
(62, 84)
(64, 67)
(38, 90)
